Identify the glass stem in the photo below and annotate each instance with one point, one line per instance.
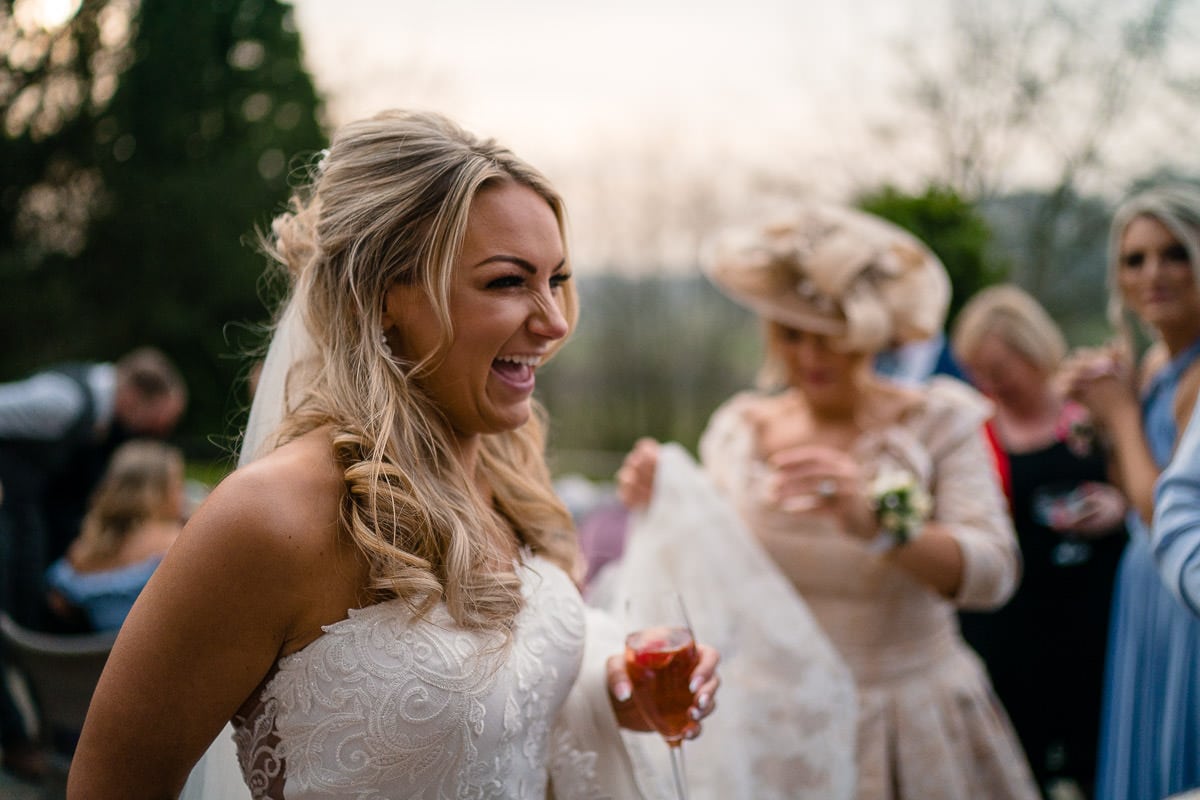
(678, 771)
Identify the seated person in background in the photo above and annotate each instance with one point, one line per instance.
(134, 516)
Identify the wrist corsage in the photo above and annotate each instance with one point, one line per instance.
(901, 506)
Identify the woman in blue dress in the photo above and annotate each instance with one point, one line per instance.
(1150, 729)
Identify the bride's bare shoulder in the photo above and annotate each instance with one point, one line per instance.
(289, 496)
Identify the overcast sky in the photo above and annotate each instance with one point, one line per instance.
(553, 77)
(609, 97)
(599, 95)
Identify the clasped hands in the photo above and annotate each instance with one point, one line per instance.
(1098, 378)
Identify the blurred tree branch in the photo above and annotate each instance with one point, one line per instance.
(1050, 84)
(1062, 102)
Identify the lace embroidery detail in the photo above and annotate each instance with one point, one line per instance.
(257, 753)
(573, 768)
(380, 707)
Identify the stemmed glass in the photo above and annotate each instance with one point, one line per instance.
(660, 654)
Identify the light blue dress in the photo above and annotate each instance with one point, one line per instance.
(105, 596)
(1176, 535)
(1150, 727)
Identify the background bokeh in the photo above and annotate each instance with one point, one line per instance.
(146, 143)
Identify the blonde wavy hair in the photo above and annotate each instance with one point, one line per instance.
(137, 485)
(1017, 318)
(389, 203)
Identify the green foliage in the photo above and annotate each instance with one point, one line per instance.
(132, 217)
(952, 227)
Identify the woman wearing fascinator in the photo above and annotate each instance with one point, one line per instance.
(878, 502)
(382, 600)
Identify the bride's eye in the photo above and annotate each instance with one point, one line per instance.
(505, 282)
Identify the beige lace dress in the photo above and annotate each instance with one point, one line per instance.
(930, 726)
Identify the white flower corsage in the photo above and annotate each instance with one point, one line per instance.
(901, 506)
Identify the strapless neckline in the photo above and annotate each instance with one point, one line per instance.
(383, 705)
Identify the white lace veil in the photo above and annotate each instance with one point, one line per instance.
(786, 717)
(217, 775)
(291, 346)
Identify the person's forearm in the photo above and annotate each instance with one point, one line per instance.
(1137, 470)
(934, 558)
(1175, 536)
(40, 408)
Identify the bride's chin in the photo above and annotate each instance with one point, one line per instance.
(509, 419)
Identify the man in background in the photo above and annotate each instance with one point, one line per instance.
(57, 430)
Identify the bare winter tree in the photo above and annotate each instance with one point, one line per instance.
(1070, 99)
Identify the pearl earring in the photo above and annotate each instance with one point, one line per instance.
(383, 342)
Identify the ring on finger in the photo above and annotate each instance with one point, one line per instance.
(827, 488)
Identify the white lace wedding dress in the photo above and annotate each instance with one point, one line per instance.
(384, 707)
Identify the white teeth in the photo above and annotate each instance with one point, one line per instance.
(528, 361)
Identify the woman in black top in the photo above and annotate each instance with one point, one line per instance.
(1045, 649)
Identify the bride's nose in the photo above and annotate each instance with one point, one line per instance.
(547, 319)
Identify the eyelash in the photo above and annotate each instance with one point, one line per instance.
(1176, 253)
(509, 281)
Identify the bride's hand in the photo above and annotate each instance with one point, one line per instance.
(704, 685)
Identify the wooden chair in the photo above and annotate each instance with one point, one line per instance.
(61, 671)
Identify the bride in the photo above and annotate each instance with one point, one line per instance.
(382, 601)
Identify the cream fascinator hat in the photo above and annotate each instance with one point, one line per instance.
(834, 271)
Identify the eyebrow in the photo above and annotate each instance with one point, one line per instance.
(518, 261)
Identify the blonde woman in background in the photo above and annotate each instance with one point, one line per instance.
(134, 517)
(1045, 648)
(382, 600)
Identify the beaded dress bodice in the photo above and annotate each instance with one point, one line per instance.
(385, 707)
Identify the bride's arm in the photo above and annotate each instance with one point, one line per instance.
(204, 632)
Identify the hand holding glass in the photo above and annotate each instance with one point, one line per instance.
(660, 655)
